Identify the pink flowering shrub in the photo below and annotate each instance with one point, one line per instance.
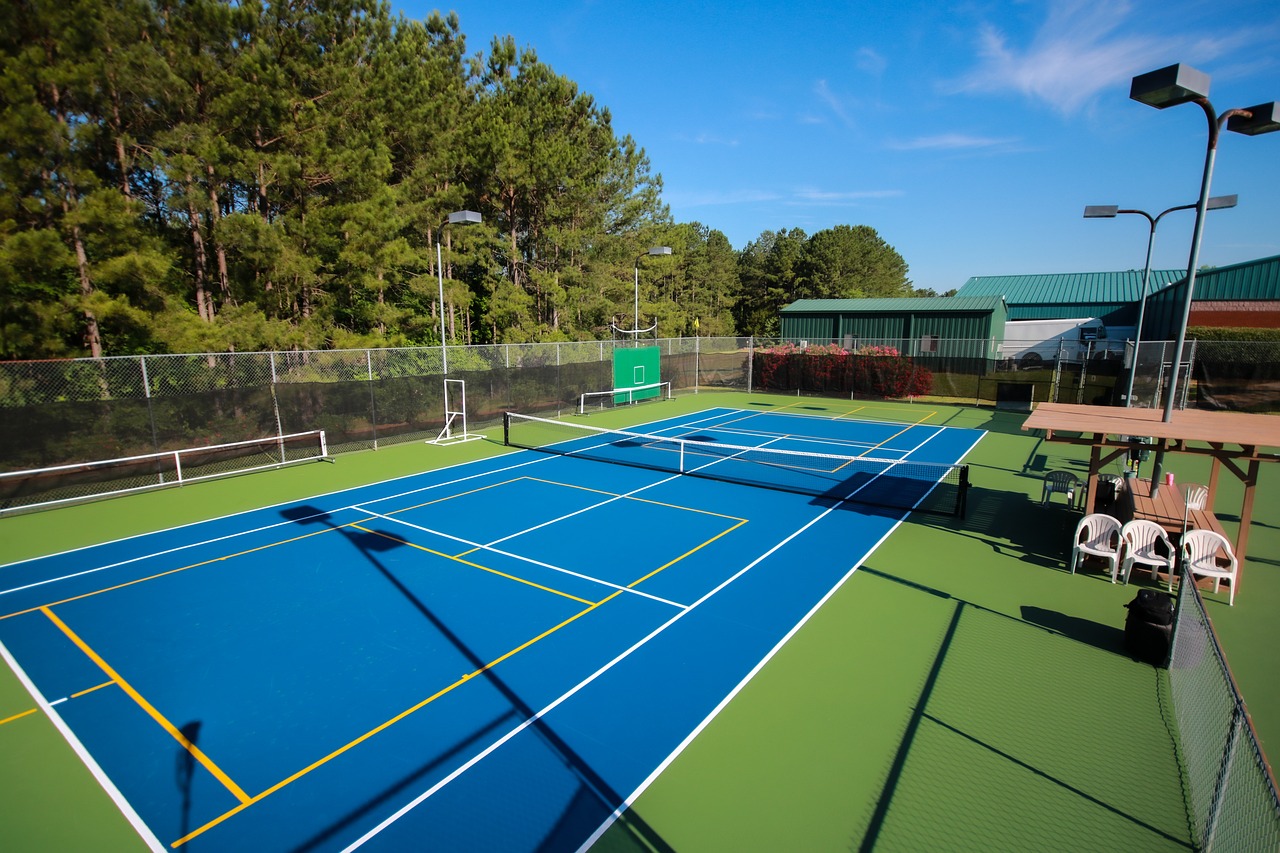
(829, 368)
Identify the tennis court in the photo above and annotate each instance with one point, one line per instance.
(497, 655)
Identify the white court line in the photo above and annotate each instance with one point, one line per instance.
(523, 559)
(135, 820)
(535, 461)
(697, 730)
(425, 795)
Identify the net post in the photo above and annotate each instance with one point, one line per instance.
(506, 429)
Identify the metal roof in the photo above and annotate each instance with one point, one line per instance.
(1251, 280)
(907, 304)
(1095, 288)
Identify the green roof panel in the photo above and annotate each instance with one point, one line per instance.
(1096, 288)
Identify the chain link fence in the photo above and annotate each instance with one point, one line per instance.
(1241, 376)
(1230, 793)
(84, 410)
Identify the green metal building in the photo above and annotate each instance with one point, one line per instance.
(944, 326)
(1112, 297)
(1240, 295)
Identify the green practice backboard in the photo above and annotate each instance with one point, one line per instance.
(636, 367)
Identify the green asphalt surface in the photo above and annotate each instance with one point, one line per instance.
(961, 691)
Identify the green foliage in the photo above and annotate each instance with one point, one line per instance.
(219, 176)
(1211, 333)
(845, 262)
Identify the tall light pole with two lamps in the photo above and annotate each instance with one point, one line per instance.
(1169, 87)
(1110, 211)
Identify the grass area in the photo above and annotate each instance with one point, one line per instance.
(961, 690)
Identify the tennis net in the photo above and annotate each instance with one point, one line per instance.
(893, 483)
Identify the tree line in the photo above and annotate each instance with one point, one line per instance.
(236, 175)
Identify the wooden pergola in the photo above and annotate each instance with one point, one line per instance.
(1238, 442)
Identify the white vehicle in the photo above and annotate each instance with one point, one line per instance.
(1032, 343)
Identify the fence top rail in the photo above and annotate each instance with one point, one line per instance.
(203, 448)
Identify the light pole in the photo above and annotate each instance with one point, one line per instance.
(655, 250)
(1169, 87)
(1109, 211)
(457, 217)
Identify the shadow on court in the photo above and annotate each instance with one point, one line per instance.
(989, 729)
(594, 800)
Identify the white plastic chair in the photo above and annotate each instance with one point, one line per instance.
(1196, 496)
(1097, 535)
(1200, 550)
(1140, 539)
(1060, 482)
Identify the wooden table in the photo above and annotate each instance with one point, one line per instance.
(1166, 508)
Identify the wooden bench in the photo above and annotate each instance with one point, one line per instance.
(1203, 519)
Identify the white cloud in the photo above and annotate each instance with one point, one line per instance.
(870, 61)
(951, 142)
(814, 196)
(705, 138)
(1083, 47)
(833, 103)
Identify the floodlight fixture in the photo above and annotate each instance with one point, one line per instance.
(1252, 121)
(1169, 87)
(1110, 211)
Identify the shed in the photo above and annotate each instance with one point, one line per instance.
(941, 325)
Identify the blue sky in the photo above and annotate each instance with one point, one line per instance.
(969, 134)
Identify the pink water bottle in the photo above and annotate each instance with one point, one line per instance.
(1168, 479)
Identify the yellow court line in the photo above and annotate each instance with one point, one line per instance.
(633, 498)
(89, 690)
(19, 716)
(474, 565)
(31, 711)
(171, 572)
(137, 697)
(451, 497)
(634, 584)
(386, 725)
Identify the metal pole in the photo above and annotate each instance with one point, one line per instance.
(1211, 152)
(636, 315)
(444, 350)
(1142, 310)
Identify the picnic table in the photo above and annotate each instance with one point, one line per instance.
(1166, 508)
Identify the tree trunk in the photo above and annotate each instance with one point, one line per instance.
(219, 250)
(204, 305)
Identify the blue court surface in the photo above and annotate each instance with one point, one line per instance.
(495, 656)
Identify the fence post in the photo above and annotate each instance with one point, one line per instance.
(697, 363)
(751, 351)
(373, 405)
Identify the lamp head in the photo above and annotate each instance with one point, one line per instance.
(464, 216)
(659, 250)
(1170, 86)
(1263, 118)
(1218, 202)
(1101, 211)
